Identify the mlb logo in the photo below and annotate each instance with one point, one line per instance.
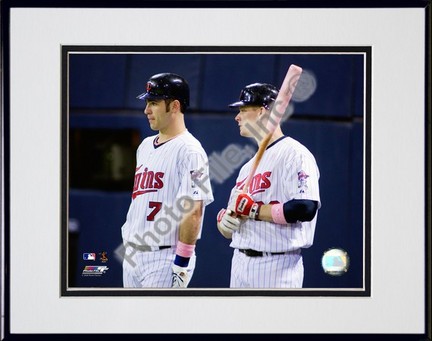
(89, 256)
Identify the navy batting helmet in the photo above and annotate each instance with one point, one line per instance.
(167, 86)
(257, 94)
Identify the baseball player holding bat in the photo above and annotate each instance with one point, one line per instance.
(272, 219)
(170, 192)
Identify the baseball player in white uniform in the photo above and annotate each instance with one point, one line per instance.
(170, 192)
(276, 217)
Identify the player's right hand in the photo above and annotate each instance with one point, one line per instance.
(244, 205)
(227, 223)
(180, 277)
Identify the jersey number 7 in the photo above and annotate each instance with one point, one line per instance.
(156, 206)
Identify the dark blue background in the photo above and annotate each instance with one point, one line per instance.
(103, 90)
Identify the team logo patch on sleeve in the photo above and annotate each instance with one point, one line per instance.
(302, 181)
(195, 177)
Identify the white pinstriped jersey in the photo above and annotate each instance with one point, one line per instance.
(166, 176)
(287, 171)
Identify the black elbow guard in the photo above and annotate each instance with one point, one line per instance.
(300, 210)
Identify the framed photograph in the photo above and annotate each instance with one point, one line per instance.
(73, 122)
(94, 171)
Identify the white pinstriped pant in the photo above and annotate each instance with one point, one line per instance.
(150, 269)
(274, 271)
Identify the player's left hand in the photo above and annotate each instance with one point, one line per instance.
(244, 205)
(180, 277)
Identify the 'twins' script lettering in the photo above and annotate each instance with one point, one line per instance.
(146, 181)
(259, 183)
